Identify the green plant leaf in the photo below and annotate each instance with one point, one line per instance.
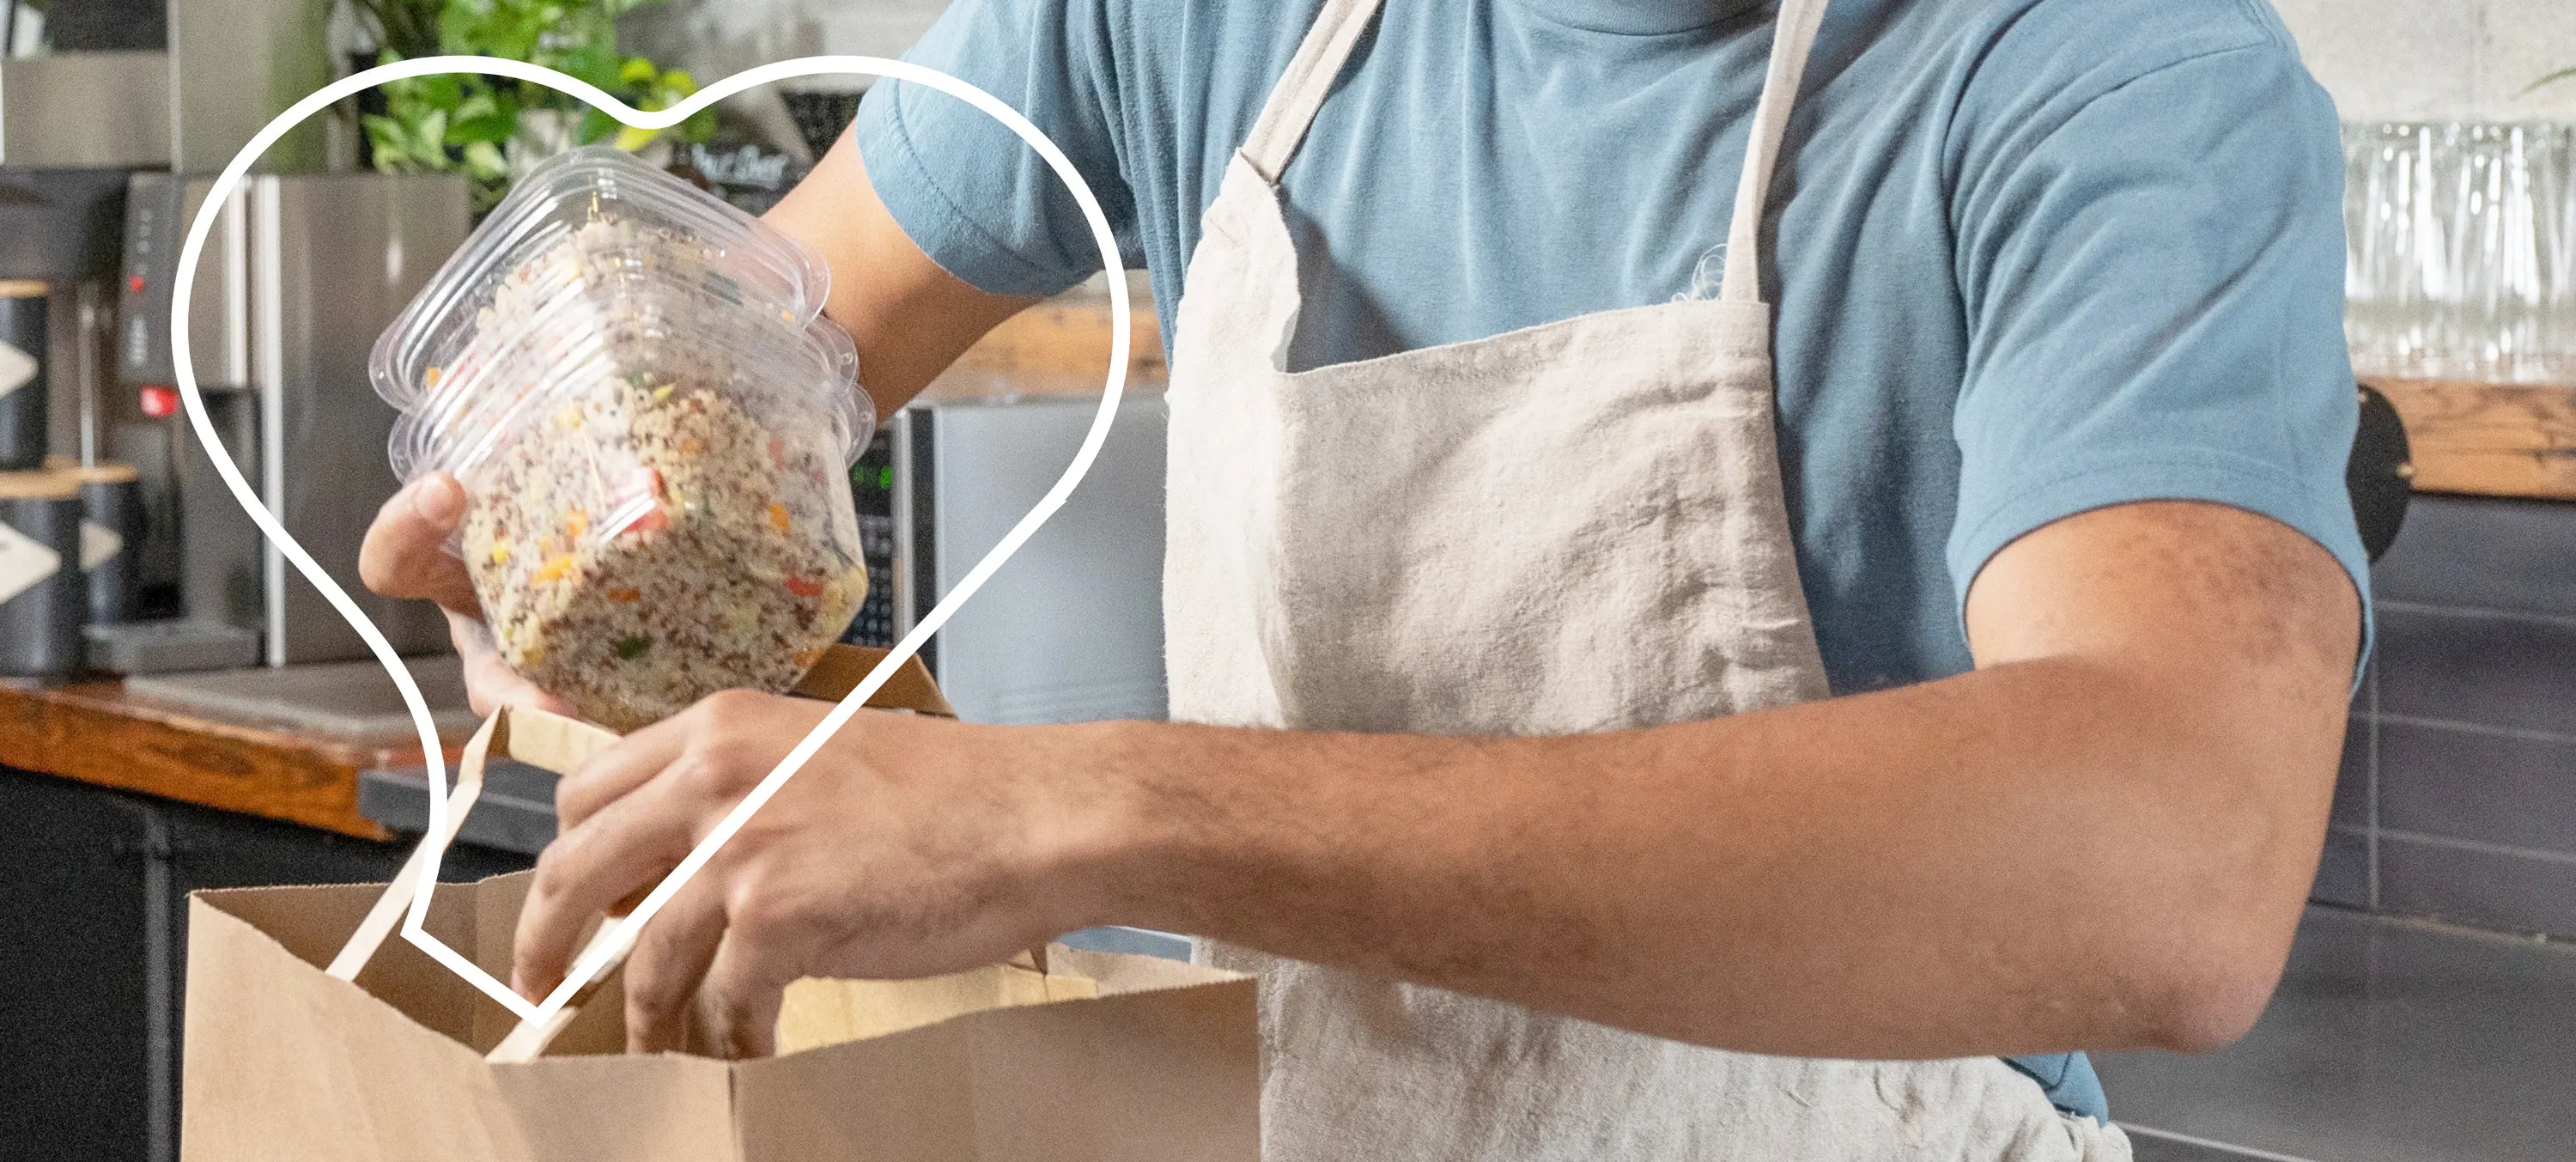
(502, 28)
(459, 122)
(594, 126)
(445, 91)
(387, 144)
(485, 161)
(597, 64)
(438, 92)
(429, 136)
(2545, 82)
(700, 128)
(489, 129)
(480, 101)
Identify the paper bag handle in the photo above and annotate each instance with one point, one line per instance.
(388, 913)
(528, 1039)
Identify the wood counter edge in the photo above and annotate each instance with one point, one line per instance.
(2488, 439)
(96, 733)
(2479, 439)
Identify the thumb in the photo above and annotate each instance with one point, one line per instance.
(405, 553)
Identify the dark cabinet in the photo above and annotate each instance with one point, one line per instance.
(93, 950)
(74, 996)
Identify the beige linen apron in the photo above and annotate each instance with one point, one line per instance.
(1575, 527)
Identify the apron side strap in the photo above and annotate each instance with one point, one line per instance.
(1302, 89)
(1791, 44)
(396, 900)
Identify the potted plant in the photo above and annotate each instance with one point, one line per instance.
(493, 128)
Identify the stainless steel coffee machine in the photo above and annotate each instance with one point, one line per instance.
(299, 275)
(107, 141)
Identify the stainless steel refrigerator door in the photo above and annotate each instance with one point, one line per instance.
(1071, 630)
(336, 257)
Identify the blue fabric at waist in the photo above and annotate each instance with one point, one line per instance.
(2069, 1081)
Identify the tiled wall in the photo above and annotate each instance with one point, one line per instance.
(2458, 793)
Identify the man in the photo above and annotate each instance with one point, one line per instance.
(1602, 746)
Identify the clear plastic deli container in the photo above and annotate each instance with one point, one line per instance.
(653, 425)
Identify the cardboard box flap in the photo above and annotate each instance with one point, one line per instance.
(559, 744)
(844, 667)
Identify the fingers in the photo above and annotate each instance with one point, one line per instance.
(745, 986)
(623, 849)
(490, 683)
(614, 773)
(405, 553)
(670, 958)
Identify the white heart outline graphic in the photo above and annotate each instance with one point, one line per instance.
(613, 944)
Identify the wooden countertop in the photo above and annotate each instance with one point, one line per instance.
(2486, 439)
(96, 732)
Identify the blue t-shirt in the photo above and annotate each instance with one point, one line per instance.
(2029, 257)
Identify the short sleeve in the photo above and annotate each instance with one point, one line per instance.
(2153, 272)
(976, 199)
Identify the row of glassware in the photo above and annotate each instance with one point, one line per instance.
(2462, 262)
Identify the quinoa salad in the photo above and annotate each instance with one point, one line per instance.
(648, 544)
(657, 507)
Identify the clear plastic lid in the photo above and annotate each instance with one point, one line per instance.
(594, 219)
(653, 423)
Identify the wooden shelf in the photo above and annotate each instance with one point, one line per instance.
(2482, 439)
(1058, 347)
(2488, 439)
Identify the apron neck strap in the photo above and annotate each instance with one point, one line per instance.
(1302, 89)
(1790, 45)
(1338, 27)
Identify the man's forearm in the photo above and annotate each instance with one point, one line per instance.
(2016, 860)
(2088, 851)
(909, 318)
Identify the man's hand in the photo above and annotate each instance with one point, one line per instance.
(405, 555)
(907, 847)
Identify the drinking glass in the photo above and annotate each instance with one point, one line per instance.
(2398, 263)
(2462, 259)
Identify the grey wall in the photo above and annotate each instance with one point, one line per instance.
(2438, 59)
(716, 37)
(2458, 792)
(2381, 59)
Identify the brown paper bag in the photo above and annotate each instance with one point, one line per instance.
(1070, 1055)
